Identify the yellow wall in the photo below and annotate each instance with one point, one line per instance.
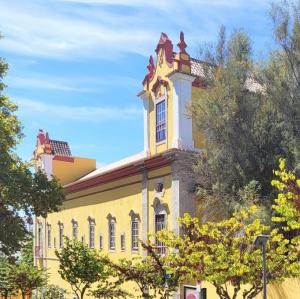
(68, 172)
(117, 198)
(198, 137)
(161, 71)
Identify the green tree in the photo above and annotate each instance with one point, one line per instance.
(6, 286)
(20, 189)
(287, 208)
(222, 253)
(149, 274)
(82, 266)
(27, 278)
(281, 75)
(244, 132)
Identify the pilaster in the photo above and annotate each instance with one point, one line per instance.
(182, 124)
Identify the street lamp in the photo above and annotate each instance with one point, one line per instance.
(261, 241)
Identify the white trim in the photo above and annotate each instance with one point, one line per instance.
(46, 165)
(175, 204)
(182, 125)
(144, 218)
(145, 97)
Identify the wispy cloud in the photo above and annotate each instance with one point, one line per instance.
(73, 29)
(81, 84)
(88, 114)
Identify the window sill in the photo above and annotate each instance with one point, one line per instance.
(161, 142)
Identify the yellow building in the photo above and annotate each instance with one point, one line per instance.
(112, 207)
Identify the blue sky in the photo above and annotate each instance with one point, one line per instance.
(77, 65)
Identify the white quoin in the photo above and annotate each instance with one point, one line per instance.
(145, 97)
(182, 123)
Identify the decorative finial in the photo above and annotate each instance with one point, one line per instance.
(182, 45)
(151, 66)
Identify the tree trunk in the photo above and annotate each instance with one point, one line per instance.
(23, 294)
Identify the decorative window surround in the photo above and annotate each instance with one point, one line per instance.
(49, 235)
(74, 229)
(134, 227)
(161, 211)
(60, 234)
(122, 242)
(91, 232)
(111, 232)
(100, 242)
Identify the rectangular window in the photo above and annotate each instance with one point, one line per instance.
(92, 234)
(112, 243)
(61, 235)
(160, 224)
(49, 235)
(135, 235)
(160, 121)
(101, 242)
(75, 230)
(122, 242)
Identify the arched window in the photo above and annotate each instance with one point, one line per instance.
(49, 235)
(134, 224)
(74, 229)
(91, 232)
(101, 242)
(111, 232)
(61, 234)
(161, 212)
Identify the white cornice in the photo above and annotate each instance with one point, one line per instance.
(181, 76)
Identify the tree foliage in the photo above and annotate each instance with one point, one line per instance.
(249, 115)
(27, 278)
(222, 253)
(6, 286)
(149, 274)
(82, 266)
(20, 189)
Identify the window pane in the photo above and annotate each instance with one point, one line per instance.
(161, 121)
(122, 242)
(101, 242)
(160, 224)
(134, 235)
(112, 235)
(92, 235)
(49, 235)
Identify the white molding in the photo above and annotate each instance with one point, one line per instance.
(182, 124)
(47, 165)
(145, 97)
(144, 218)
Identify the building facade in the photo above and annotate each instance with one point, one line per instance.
(113, 207)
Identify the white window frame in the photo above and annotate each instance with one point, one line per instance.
(60, 234)
(123, 242)
(135, 236)
(91, 232)
(160, 246)
(101, 242)
(112, 235)
(74, 229)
